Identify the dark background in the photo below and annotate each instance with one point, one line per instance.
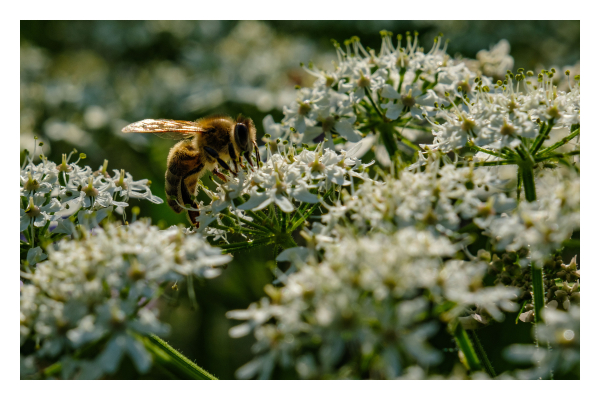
(82, 81)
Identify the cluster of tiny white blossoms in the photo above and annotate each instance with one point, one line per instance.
(541, 226)
(437, 198)
(505, 117)
(359, 312)
(99, 289)
(51, 193)
(396, 82)
(288, 177)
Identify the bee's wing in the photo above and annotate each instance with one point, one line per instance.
(165, 128)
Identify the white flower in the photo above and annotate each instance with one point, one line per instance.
(38, 211)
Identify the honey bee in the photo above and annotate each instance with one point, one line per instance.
(204, 145)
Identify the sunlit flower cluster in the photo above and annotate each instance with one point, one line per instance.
(437, 198)
(287, 178)
(396, 82)
(99, 289)
(51, 193)
(506, 117)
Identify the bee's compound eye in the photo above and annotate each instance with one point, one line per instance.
(241, 133)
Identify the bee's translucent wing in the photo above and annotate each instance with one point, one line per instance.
(165, 128)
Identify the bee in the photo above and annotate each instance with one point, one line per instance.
(204, 145)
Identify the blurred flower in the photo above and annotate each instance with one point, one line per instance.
(562, 334)
(360, 304)
(95, 287)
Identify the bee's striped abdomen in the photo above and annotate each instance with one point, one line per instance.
(183, 159)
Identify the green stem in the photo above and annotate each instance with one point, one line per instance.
(174, 361)
(519, 184)
(52, 370)
(544, 132)
(558, 157)
(375, 106)
(233, 247)
(487, 163)
(521, 310)
(260, 216)
(490, 152)
(309, 212)
(537, 277)
(560, 142)
(409, 144)
(237, 229)
(526, 172)
(465, 345)
(540, 136)
(249, 223)
(287, 242)
(487, 365)
(402, 73)
(389, 140)
(283, 225)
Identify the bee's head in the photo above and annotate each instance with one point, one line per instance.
(244, 134)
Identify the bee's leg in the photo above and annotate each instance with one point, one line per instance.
(232, 156)
(219, 175)
(257, 153)
(249, 159)
(173, 190)
(187, 201)
(213, 153)
(188, 188)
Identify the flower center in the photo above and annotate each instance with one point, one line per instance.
(328, 123)
(507, 129)
(121, 182)
(64, 167)
(468, 125)
(31, 184)
(90, 190)
(408, 100)
(33, 210)
(363, 81)
(304, 108)
(553, 112)
(316, 166)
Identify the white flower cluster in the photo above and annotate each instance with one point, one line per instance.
(408, 87)
(288, 176)
(98, 288)
(359, 313)
(438, 198)
(397, 82)
(541, 226)
(51, 193)
(506, 117)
